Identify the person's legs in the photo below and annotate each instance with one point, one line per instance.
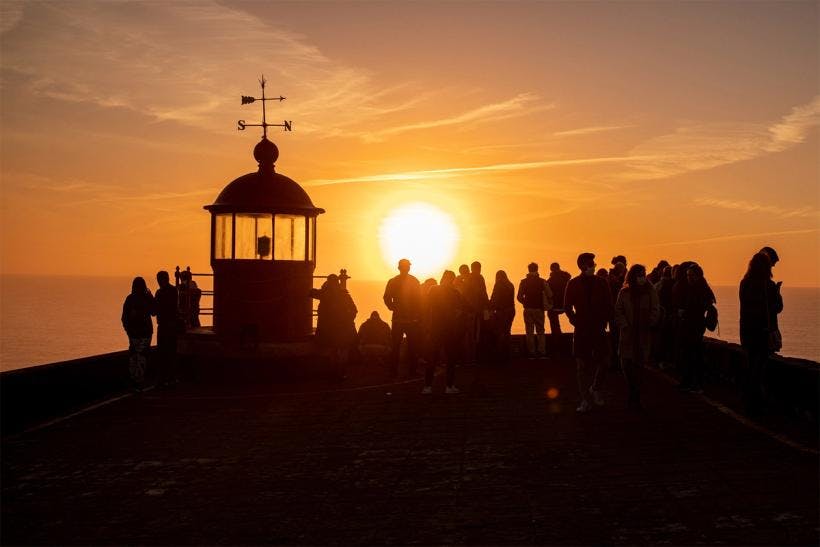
(137, 350)
(396, 336)
(539, 330)
(414, 341)
(555, 324)
(529, 330)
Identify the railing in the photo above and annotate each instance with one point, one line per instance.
(185, 296)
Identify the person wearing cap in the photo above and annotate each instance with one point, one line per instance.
(589, 307)
(402, 296)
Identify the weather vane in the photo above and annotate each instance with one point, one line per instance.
(241, 125)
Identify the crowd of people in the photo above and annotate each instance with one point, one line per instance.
(623, 317)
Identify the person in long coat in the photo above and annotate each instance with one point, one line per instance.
(637, 310)
(760, 302)
(502, 308)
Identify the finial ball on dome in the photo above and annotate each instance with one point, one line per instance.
(265, 152)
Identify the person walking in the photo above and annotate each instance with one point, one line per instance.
(760, 302)
(536, 296)
(589, 308)
(691, 301)
(402, 297)
(168, 325)
(136, 320)
(446, 306)
(502, 310)
(557, 281)
(636, 313)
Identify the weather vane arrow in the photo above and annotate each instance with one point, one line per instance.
(241, 124)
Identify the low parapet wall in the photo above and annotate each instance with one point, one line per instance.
(36, 394)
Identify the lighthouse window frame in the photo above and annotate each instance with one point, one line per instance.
(249, 230)
(290, 237)
(223, 236)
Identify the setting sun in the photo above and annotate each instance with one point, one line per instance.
(422, 233)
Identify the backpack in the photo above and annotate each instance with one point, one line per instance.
(711, 318)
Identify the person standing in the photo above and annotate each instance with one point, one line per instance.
(664, 342)
(589, 308)
(335, 323)
(446, 306)
(557, 281)
(636, 313)
(136, 320)
(480, 302)
(502, 308)
(536, 296)
(402, 297)
(168, 325)
(691, 304)
(760, 302)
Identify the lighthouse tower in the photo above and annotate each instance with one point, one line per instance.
(263, 251)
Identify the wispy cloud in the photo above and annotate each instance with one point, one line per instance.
(460, 171)
(734, 237)
(589, 130)
(184, 57)
(524, 103)
(705, 146)
(749, 207)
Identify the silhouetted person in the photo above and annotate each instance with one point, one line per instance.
(603, 273)
(666, 324)
(657, 272)
(536, 296)
(374, 339)
(189, 297)
(401, 296)
(502, 308)
(557, 281)
(636, 313)
(480, 302)
(760, 302)
(616, 277)
(692, 298)
(589, 308)
(168, 326)
(136, 320)
(446, 307)
(335, 322)
(423, 333)
(774, 259)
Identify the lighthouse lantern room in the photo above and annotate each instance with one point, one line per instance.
(263, 251)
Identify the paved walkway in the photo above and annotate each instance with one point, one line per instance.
(499, 463)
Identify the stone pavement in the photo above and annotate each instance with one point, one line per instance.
(500, 463)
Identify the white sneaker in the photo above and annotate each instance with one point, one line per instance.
(427, 390)
(597, 397)
(583, 408)
(451, 390)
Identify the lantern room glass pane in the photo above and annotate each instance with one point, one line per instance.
(223, 235)
(254, 236)
(312, 239)
(289, 237)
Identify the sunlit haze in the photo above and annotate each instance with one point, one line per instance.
(538, 129)
(424, 234)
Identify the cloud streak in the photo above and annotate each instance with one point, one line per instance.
(461, 171)
(590, 130)
(734, 237)
(706, 146)
(749, 207)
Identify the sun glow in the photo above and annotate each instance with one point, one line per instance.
(422, 233)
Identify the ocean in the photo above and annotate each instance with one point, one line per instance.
(49, 319)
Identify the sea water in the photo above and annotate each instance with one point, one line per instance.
(49, 319)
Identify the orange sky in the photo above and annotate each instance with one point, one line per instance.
(545, 129)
